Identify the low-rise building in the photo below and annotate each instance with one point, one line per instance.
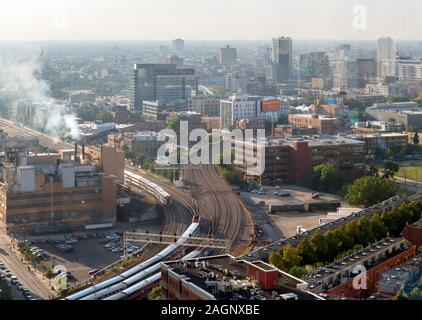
(292, 160)
(395, 280)
(320, 123)
(237, 108)
(337, 279)
(376, 126)
(289, 130)
(146, 143)
(227, 278)
(381, 141)
(206, 105)
(404, 113)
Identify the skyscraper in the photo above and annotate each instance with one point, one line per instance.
(178, 45)
(282, 56)
(228, 56)
(165, 82)
(386, 53)
(345, 69)
(314, 65)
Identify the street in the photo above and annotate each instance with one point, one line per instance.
(39, 287)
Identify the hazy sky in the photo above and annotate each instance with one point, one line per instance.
(208, 19)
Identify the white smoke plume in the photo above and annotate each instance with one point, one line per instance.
(20, 80)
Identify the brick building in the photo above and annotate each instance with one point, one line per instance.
(228, 278)
(337, 279)
(320, 123)
(292, 160)
(51, 193)
(381, 141)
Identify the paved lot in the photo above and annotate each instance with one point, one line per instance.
(87, 255)
(272, 227)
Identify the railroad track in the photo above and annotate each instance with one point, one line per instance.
(223, 207)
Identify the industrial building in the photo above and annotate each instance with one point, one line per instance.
(405, 113)
(51, 192)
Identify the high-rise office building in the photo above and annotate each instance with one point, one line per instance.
(282, 57)
(151, 82)
(345, 69)
(366, 71)
(228, 56)
(178, 45)
(386, 54)
(314, 65)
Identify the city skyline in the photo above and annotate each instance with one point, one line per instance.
(49, 20)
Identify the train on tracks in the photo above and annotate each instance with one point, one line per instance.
(133, 179)
(131, 282)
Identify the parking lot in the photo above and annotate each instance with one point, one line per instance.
(82, 253)
(273, 227)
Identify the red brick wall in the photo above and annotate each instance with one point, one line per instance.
(413, 234)
(373, 276)
(267, 279)
(300, 164)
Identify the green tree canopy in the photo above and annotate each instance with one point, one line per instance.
(390, 170)
(327, 177)
(368, 191)
(155, 294)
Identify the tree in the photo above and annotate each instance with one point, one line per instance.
(327, 177)
(372, 171)
(390, 170)
(401, 296)
(368, 191)
(391, 120)
(174, 124)
(320, 246)
(155, 294)
(416, 138)
(276, 259)
(378, 227)
(290, 258)
(306, 251)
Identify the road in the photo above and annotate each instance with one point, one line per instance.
(409, 185)
(14, 130)
(39, 287)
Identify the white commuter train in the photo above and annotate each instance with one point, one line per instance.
(113, 285)
(132, 178)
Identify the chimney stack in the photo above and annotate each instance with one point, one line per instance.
(76, 152)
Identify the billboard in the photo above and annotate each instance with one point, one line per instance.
(271, 105)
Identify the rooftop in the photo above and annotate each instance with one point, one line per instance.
(313, 141)
(227, 279)
(369, 254)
